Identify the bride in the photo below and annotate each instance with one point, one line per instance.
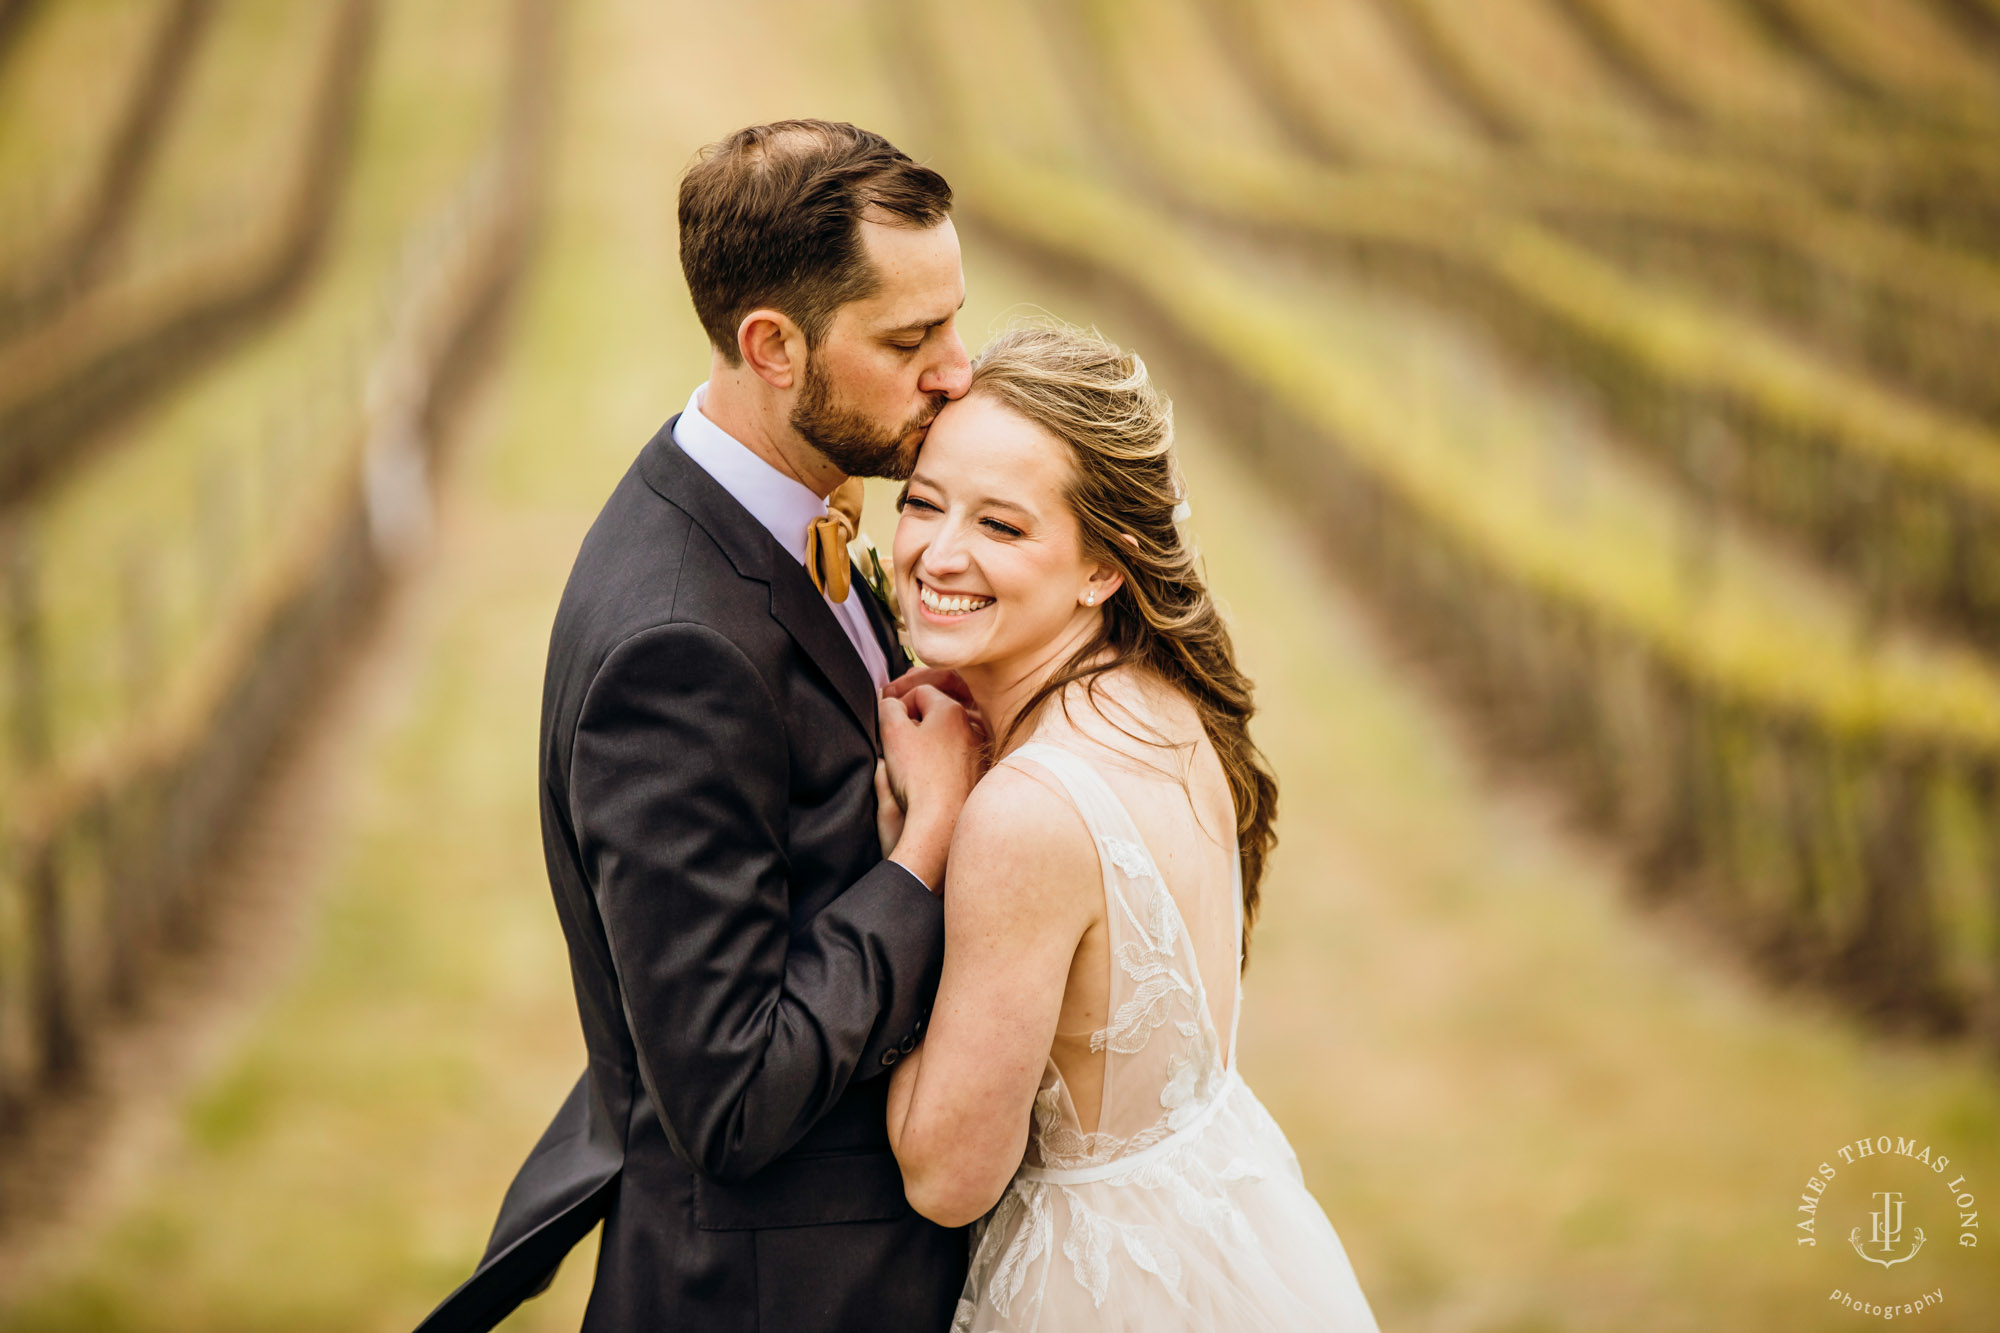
(1076, 1094)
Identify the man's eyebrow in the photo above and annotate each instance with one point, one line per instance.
(926, 325)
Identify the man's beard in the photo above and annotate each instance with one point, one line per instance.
(851, 442)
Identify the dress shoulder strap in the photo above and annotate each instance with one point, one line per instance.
(1133, 885)
(1103, 813)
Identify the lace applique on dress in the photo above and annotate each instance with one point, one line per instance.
(1156, 985)
(1192, 1078)
(1089, 1248)
(1129, 857)
(1149, 960)
(1031, 1238)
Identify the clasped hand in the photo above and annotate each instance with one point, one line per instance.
(933, 747)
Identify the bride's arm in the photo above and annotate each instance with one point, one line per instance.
(1022, 887)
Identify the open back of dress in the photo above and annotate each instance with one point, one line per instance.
(1183, 1207)
(1161, 1033)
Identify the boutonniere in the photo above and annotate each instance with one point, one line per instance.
(876, 575)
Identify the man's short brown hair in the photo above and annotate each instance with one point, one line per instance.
(770, 218)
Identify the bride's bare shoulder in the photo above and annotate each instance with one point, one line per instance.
(1019, 834)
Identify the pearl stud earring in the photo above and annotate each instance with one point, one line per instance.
(1090, 599)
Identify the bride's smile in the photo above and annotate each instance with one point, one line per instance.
(945, 605)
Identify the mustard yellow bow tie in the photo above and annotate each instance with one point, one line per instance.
(827, 538)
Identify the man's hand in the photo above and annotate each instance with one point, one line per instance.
(932, 752)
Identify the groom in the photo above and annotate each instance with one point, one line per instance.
(748, 966)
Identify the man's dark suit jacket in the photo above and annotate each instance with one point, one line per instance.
(747, 966)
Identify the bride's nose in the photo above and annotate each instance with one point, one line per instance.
(946, 553)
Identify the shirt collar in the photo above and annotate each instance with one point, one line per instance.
(784, 505)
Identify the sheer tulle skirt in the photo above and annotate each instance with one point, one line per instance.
(1211, 1229)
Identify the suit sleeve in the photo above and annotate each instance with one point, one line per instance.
(679, 795)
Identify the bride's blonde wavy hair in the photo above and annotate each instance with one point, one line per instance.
(1098, 399)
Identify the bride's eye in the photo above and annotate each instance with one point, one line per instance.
(905, 500)
(1004, 529)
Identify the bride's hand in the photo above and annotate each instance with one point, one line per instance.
(888, 810)
(943, 680)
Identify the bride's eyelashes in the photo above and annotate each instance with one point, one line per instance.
(906, 500)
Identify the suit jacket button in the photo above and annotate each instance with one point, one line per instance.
(890, 1056)
(909, 1044)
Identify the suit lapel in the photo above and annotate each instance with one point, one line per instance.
(885, 629)
(797, 605)
(756, 555)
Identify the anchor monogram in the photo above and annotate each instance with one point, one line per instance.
(1888, 1229)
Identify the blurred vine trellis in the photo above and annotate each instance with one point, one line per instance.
(104, 842)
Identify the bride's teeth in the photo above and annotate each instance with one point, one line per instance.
(951, 606)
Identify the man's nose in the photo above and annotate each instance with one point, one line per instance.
(952, 375)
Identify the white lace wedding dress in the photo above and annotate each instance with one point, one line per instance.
(1184, 1207)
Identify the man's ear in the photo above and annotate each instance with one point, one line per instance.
(773, 346)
